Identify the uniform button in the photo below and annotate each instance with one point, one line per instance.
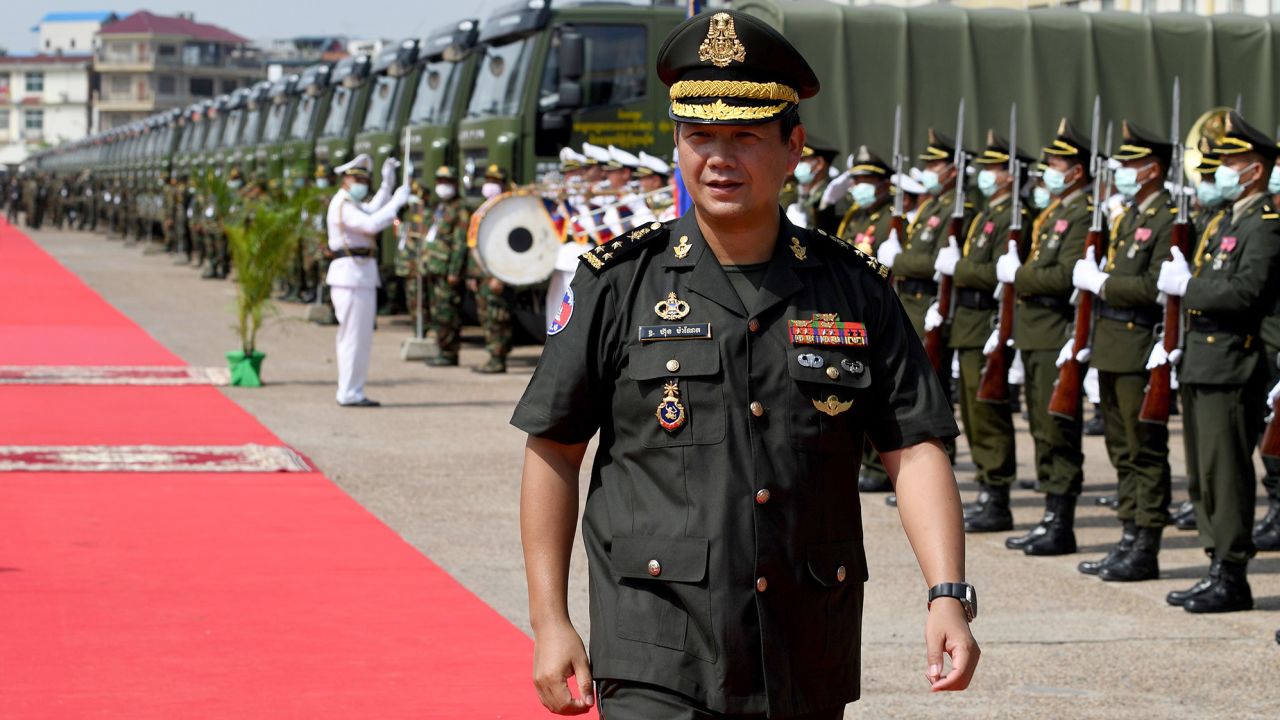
(833, 372)
(1128, 326)
(655, 568)
(673, 365)
(840, 574)
(1210, 340)
(757, 409)
(753, 325)
(762, 584)
(762, 496)
(1208, 257)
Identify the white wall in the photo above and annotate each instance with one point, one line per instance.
(64, 104)
(72, 38)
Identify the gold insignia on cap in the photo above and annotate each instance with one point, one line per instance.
(720, 110)
(721, 46)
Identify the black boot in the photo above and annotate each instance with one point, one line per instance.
(1229, 593)
(1266, 534)
(1093, 426)
(1178, 598)
(975, 507)
(1122, 548)
(1059, 537)
(1111, 501)
(871, 483)
(1140, 563)
(994, 514)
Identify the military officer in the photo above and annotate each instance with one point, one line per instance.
(445, 255)
(1042, 321)
(1266, 534)
(353, 226)
(988, 426)
(1124, 334)
(813, 175)
(1223, 369)
(723, 541)
(493, 297)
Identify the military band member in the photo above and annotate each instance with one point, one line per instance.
(1223, 368)
(353, 226)
(593, 169)
(723, 539)
(444, 257)
(652, 177)
(866, 224)
(1042, 322)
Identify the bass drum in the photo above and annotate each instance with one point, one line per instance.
(514, 238)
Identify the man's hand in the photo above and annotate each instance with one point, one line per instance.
(1175, 274)
(948, 258)
(558, 654)
(947, 632)
(932, 318)
(452, 279)
(1008, 264)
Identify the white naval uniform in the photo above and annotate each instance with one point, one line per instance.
(354, 281)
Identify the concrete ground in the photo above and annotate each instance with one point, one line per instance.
(440, 465)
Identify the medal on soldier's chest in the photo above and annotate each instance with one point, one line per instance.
(673, 308)
(670, 412)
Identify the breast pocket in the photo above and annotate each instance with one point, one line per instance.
(676, 394)
(828, 388)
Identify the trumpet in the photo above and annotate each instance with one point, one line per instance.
(660, 196)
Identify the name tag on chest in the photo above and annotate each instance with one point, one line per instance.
(687, 331)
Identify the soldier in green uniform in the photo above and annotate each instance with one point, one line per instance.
(1124, 334)
(315, 246)
(1223, 369)
(60, 201)
(1042, 322)
(723, 540)
(493, 298)
(444, 257)
(1266, 534)
(14, 197)
(411, 231)
(813, 176)
(988, 426)
(866, 224)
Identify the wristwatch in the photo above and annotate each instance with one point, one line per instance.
(963, 592)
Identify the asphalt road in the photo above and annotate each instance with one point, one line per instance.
(440, 465)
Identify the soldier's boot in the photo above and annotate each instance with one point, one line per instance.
(1093, 426)
(495, 366)
(994, 515)
(1266, 534)
(1230, 592)
(975, 507)
(1118, 551)
(1179, 598)
(1059, 536)
(442, 360)
(874, 484)
(1018, 542)
(1140, 563)
(210, 271)
(1112, 501)
(1185, 518)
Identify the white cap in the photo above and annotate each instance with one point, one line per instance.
(360, 164)
(569, 157)
(650, 165)
(908, 184)
(622, 158)
(595, 153)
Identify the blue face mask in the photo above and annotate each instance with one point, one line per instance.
(804, 173)
(322, 182)
(358, 192)
(1273, 182)
(1228, 181)
(1207, 193)
(931, 181)
(1126, 179)
(864, 194)
(987, 183)
(1055, 181)
(1040, 197)
(235, 184)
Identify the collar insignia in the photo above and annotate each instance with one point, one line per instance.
(682, 250)
(798, 250)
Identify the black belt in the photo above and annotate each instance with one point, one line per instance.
(916, 286)
(1212, 324)
(1052, 302)
(1142, 317)
(354, 252)
(976, 299)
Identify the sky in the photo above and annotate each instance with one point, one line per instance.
(261, 19)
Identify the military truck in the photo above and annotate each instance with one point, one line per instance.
(444, 87)
(297, 148)
(243, 153)
(235, 111)
(278, 108)
(393, 80)
(351, 90)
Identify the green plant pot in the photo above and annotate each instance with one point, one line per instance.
(246, 370)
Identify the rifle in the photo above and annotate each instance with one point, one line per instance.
(897, 227)
(933, 345)
(1158, 397)
(993, 387)
(1270, 447)
(1065, 402)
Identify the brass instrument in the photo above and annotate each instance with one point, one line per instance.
(1211, 126)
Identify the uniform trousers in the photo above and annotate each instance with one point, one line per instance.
(1222, 423)
(356, 309)
(627, 700)
(1059, 458)
(1139, 450)
(987, 426)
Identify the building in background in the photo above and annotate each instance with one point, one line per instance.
(288, 55)
(44, 100)
(70, 32)
(148, 63)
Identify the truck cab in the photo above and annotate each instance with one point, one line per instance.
(215, 114)
(297, 147)
(282, 99)
(444, 86)
(236, 111)
(351, 89)
(244, 154)
(393, 79)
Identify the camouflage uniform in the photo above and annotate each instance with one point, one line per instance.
(444, 256)
(409, 260)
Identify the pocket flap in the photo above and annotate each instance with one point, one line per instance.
(838, 563)
(674, 358)
(813, 364)
(650, 557)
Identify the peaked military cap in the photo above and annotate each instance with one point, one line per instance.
(816, 146)
(866, 163)
(360, 166)
(495, 172)
(730, 68)
(997, 152)
(941, 147)
(1069, 143)
(444, 172)
(1137, 143)
(1241, 137)
(650, 165)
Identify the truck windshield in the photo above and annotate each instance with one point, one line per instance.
(275, 120)
(339, 106)
(436, 90)
(232, 132)
(302, 117)
(214, 136)
(189, 136)
(251, 121)
(381, 102)
(500, 79)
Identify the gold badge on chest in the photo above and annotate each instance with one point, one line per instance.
(682, 250)
(832, 405)
(673, 308)
(670, 412)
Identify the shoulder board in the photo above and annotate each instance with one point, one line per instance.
(1270, 216)
(1173, 210)
(968, 205)
(622, 246)
(867, 261)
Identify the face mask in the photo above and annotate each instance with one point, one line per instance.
(322, 182)
(1040, 197)
(1055, 181)
(864, 194)
(445, 191)
(987, 183)
(1126, 179)
(931, 182)
(358, 191)
(235, 184)
(1207, 193)
(490, 189)
(1273, 182)
(1228, 181)
(804, 173)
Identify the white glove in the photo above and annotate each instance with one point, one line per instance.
(1174, 274)
(400, 196)
(797, 215)
(1086, 275)
(993, 342)
(836, 189)
(948, 256)
(1065, 354)
(1008, 264)
(1157, 357)
(389, 171)
(1084, 355)
(1273, 395)
(889, 250)
(932, 318)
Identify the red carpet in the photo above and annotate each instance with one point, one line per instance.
(153, 595)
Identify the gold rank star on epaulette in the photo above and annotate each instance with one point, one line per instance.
(1269, 213)
(619, 247)
(871, 263)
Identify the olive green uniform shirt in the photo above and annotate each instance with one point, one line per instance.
(866, 228)
(986, 241)
(1043, 283)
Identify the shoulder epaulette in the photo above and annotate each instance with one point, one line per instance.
(870, 262)
(968, 205)
(622, 246)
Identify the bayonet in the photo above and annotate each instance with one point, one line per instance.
(958, 160)
(1015, 168)
(897, 160)
(1239, 103)
(1095, 164)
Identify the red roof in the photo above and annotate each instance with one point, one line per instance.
(147, 23)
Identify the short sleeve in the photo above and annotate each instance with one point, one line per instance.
(571, 389)
(911, 406)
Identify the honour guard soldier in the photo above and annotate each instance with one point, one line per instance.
(1266, 534)
(988, 426)
(1043, 319)
(813, 175)
(493, 297)
(1125, 332)
(731, 362)
(1223, 369)
(353, 275)
(445, 256)
(866, 224)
